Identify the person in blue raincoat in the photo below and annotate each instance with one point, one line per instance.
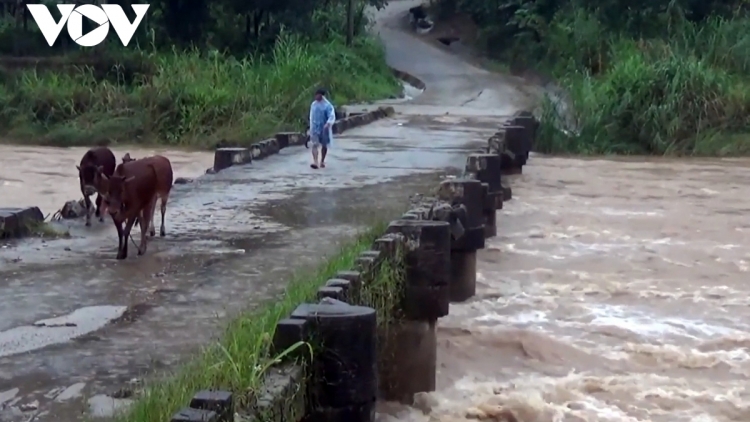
(322, 117)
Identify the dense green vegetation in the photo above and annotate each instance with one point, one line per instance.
(654, 77)
(196, 73)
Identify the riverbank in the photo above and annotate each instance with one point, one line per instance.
(674, 84)
(191, 99)
(686, 93)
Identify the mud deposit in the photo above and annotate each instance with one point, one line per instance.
(615, 291)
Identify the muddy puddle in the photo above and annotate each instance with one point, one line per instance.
(615, 291)
(47, 177)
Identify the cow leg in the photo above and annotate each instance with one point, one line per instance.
(145, 220)
(152, 211)
(120, 238)
(87, 202)
(104, 210)
(99, 210)
(125, 236)
(163, 230)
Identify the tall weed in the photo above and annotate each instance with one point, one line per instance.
(193, 99)
(672, 95)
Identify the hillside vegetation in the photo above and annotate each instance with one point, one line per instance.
(656, 77)
(196, 73)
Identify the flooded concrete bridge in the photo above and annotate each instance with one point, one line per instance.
(614, 290)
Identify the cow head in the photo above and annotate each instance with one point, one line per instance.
(101, 182)
(126, 158)
(117, 195)
(88, 176)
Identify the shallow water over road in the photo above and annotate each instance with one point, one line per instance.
(615, 291)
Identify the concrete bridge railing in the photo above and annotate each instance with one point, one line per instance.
(371, 334)
(233, 156)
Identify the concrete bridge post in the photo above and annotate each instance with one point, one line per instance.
(409, 361)
(487, 169)
(208, 406)
(470, 194)
(516, 144)
(228, 157)
(341, 383)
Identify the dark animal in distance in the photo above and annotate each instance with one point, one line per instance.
(96, 161)
(418, 12)
(132, 193)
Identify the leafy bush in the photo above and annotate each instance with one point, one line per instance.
(660, 77)
(676, 95)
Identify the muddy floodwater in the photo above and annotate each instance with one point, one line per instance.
(47, 177)
(615, 291)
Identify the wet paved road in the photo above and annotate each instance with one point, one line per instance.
(232, 240)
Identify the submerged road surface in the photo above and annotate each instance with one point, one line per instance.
(77, 326)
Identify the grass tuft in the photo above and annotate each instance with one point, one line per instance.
(46, 231)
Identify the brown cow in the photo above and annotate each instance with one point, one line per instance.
(96, 161)
(163, 194)
(132, 194)
(126, 159)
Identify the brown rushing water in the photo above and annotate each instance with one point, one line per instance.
(615, 291)
(47, 177)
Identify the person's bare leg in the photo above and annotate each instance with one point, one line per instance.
(323, 153)
(315, 157)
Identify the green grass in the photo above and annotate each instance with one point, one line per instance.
(45, 231)
(239, 359)
(189, 99)
(685, 91)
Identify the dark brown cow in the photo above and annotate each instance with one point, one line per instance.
(132, 193)
(96, 161)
